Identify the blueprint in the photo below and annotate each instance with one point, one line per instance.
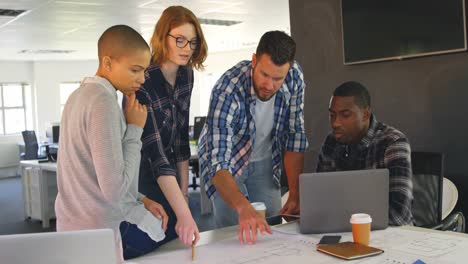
(401, 246)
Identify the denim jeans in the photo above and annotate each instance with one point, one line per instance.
(136, 243)
(256, 183)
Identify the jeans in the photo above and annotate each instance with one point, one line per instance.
(256, 183)
(136, 243)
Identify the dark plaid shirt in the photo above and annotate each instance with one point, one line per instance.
(382, 147)
(165, 136)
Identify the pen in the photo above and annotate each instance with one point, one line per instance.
(193, 251)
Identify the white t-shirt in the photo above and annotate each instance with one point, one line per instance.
(263, 118)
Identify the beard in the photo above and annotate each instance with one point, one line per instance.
(263, 97)
(344, 138)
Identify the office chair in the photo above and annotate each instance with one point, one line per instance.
(193, 164)
(31, 146)
(428, 175)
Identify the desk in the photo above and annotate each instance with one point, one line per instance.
(205, 202)
(42, 149)
(39, 187)
(9, 159)
(402, 245)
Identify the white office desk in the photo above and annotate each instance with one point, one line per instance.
(37, 201)
(205, 202)
(402, 245)
(39, 187)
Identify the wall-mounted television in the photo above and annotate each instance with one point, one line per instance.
(378, 30)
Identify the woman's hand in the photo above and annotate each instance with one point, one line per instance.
(157, 210)
(187, 230)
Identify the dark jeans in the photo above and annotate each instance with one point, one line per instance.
(135, 242)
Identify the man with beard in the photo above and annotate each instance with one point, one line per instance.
(358, 141)
(255, 124)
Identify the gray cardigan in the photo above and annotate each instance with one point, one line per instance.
(98, 164)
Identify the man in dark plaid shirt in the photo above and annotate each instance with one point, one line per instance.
(358, 141)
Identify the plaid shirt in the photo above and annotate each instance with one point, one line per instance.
(227, 137)
(382, 147)
(165, 136)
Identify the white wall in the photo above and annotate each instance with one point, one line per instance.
(45, 78)
(14, 71)
(216, 64)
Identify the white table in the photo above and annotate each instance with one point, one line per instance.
(401, 245)
(39, 190)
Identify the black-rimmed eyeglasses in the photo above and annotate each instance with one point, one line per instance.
(182, 42)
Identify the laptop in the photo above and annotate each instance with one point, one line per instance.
(328, 199)
(73, 247)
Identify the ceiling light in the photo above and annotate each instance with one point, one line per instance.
(11, 12)
(45, 51)
(147, 3)
(79, 3)
(218, 22)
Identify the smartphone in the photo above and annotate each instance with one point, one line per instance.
(274, 220)
(330, 240)
(289, 218)
(279, 219)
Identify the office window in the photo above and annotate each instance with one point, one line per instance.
(13, 113)
(1, 123)
(66, 89)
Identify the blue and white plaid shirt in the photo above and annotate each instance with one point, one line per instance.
(228, 136)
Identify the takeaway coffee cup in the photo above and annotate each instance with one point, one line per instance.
(361, 226)
(260, 208)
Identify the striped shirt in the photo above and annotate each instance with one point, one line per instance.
(382, 147)
(165, 136)
(228, 135)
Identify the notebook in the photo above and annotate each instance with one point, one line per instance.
(349, 250)
(328, 199)
(74, 247)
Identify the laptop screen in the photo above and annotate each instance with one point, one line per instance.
(74, 247)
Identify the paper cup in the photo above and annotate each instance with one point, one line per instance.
(361, 226)
(260, 208)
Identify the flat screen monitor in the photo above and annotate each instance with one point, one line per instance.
(378, 30)
(198, 124)
(52, 133)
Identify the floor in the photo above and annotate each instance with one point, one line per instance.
(12, 219)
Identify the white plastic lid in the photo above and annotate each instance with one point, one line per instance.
(360, 219)
(258, 206)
